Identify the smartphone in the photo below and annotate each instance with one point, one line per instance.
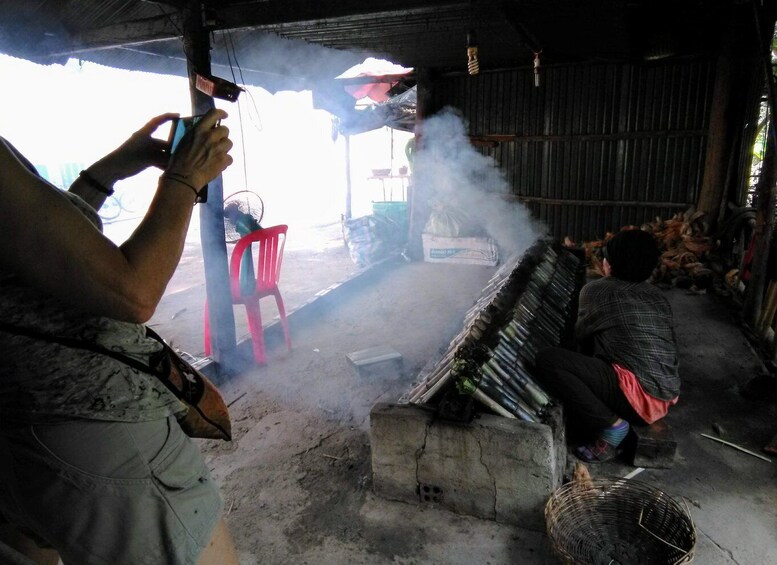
(179, 128)
(177, 131)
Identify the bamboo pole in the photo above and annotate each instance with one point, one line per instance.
(735, 446)
(767, 313)
(481, 397)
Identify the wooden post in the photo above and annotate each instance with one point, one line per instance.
(348, 193)
(212, 236)
(765, 193)
(763, 233)
(720, 138)
(418, 207)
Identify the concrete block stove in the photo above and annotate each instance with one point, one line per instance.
(502, 457)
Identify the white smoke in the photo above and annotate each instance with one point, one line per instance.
(466, 189)
(277, 63)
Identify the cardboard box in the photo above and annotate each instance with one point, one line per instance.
(464, 250)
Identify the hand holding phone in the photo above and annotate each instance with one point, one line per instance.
(178, 129)
(203, 156)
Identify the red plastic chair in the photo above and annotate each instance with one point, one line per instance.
(268, 271)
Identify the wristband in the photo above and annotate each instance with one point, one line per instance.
(179, 179)
(94, 183)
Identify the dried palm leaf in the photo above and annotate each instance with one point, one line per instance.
(698, 272)
(669, 264)
(687, 257)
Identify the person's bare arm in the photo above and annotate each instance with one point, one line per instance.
(139, 152)
(51, 246)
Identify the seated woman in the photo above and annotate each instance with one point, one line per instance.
(93, 464)
(626, 370)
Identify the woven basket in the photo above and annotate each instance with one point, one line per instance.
(618, 521)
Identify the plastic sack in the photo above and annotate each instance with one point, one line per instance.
(372, 238)
(448, 222)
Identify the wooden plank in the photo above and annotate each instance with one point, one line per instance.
(655, 446)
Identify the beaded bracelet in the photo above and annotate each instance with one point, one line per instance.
(179, 179)
(94, 183)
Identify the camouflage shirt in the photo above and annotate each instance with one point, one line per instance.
(41, 381)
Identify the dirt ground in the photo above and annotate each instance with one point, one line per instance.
(296, 479)
(312, 261)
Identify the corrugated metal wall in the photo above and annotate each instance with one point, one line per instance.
(596, 146)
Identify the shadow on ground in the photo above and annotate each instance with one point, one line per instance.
(296, 479)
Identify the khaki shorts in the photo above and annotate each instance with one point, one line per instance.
(109, 492)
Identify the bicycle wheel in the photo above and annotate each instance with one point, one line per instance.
(110, 209)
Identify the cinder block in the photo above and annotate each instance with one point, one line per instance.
(396, 434)
(493, 467)
(655, 446)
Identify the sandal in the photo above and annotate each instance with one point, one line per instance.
(598, 452)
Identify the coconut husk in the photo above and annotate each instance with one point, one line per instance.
(681, 239)
(596, 266)
(732, 278)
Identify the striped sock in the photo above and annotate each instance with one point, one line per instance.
(615, 434)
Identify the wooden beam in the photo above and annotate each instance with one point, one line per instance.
(213, 239)
(663, 134)
(514, 17)
(247, 15)
(137, 32)
(276, 12)
(597, 203)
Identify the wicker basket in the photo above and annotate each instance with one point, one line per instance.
(618, 521)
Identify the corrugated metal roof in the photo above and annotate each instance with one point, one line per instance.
(416, 33)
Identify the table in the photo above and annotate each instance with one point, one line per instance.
(403, 180)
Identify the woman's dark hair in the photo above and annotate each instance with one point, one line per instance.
(632, 255)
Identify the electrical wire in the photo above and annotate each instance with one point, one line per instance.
(243, 82)
(234, 79)
(255, 118)
(239, 108)
(178, 30)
